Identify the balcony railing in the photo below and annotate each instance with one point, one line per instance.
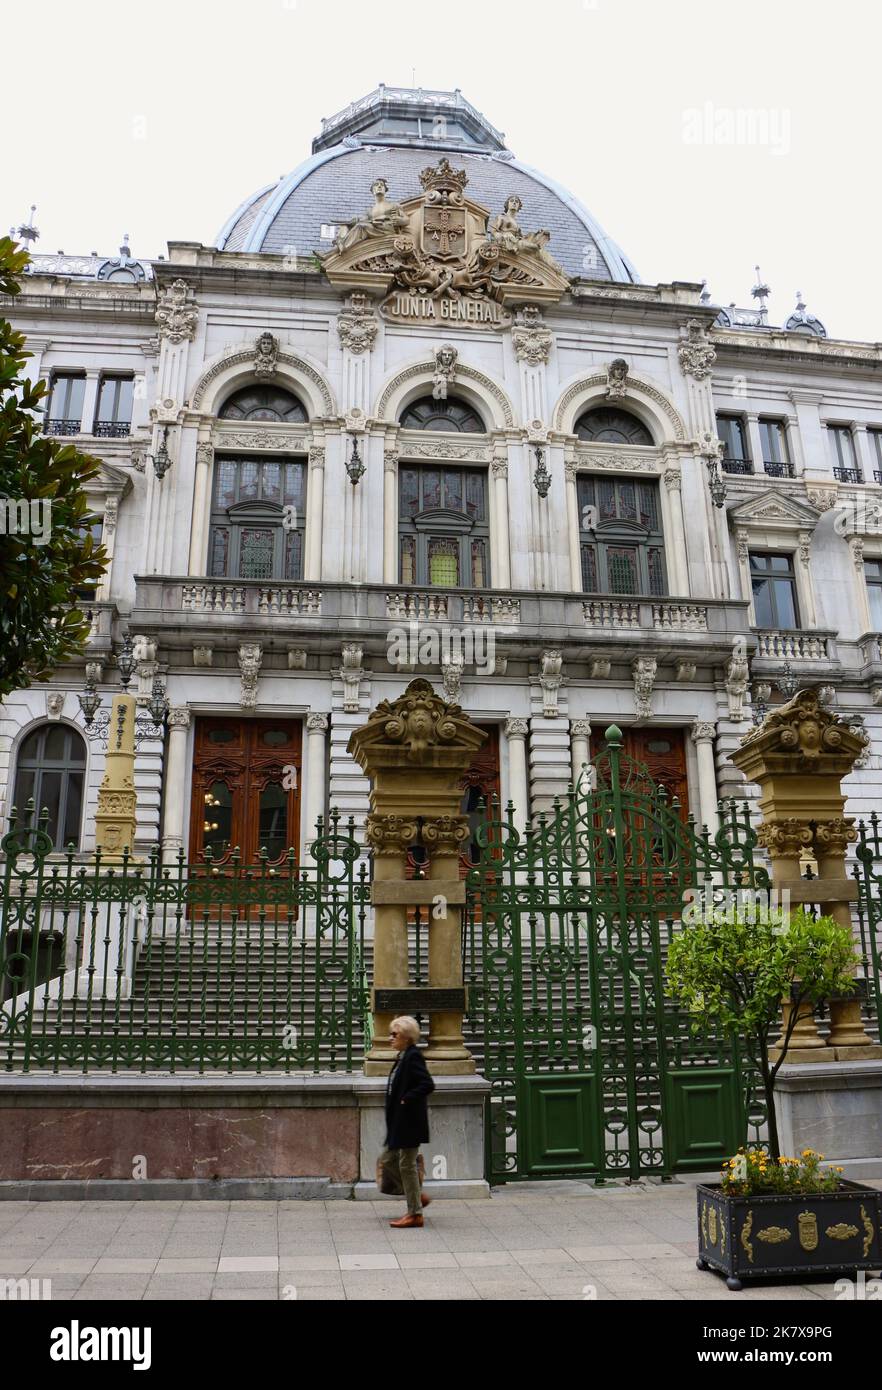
(778, 468)
(848, 475)
(58, 426)
(793, 646)
(737, 466)
(112, 429)
(222, 610)
(877, 476)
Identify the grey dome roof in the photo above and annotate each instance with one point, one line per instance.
(394, 133)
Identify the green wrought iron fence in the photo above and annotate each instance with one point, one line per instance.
(140, 965)
(593, 1069)
(868, 876)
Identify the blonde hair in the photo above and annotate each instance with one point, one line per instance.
(408, 1026)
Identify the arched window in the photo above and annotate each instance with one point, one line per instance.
(258, 516)
(51, 771)
(452, 416)
(264, 403)
(608, 426)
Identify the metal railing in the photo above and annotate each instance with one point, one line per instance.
(112, 429)
(58, 426)
(116, 964)
(778, 468)
(848, 475)
(737, 466)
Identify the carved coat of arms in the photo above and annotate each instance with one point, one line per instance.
(438, 255)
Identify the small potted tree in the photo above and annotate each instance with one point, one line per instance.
(771, 1213)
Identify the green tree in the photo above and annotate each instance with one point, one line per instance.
(46, 552)
(732, 970)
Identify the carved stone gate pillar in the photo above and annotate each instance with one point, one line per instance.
(798, 758)
(415, 751)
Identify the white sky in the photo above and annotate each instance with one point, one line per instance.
(159, 118)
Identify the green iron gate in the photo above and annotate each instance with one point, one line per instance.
(868, 874)
(593, 1070)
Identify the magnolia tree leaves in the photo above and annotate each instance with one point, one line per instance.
(42, 564)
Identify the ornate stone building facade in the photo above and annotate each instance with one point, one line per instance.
(414, 412)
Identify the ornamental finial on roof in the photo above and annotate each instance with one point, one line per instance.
(28, 232)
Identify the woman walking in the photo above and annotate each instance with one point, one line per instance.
(407, 1117)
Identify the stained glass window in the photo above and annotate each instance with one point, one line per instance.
(264, 403)
(450, 416)
(444, 562)
(479, 564)
(256, 554)
(255, 534)
(443, 526)
(622, 545)
(608, 426)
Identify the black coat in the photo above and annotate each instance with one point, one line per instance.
(407, 1091)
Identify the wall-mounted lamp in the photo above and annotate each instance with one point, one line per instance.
(541, 477)
(161, 461)
(354, 465)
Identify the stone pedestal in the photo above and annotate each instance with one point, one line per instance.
(415, 751)
(798, 758)
(834, 1108)
(454, 1156)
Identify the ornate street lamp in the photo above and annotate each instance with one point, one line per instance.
(125, 662)
(161, 460)
(354, 465)
(787, 683)
(89, 703)
(158, 702)
(717, 486)
(541, 477)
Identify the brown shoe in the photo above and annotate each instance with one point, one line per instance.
(424, 1199)
(405, 1221)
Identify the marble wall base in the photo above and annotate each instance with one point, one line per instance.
(148, 1137)
(832, 1107)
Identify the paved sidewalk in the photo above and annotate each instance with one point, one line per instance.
(564, 1240)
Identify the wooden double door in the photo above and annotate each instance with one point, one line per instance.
(662, 752)
(246, 789)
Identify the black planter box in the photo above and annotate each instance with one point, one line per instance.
(819, 1233)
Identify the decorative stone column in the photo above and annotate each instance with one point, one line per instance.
(571, 486)
(201, 504)
(516, 731)
(175, 784)
(415, 751)
(580, 735)
(316, 757)
(703, 735)
(798, 758)
(315, 501)
(390, 517)
(502, 558)
(115, 817)
(676, 555)
(106, 940)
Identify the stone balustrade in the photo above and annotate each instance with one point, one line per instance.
(795, 646)
(191, 611)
